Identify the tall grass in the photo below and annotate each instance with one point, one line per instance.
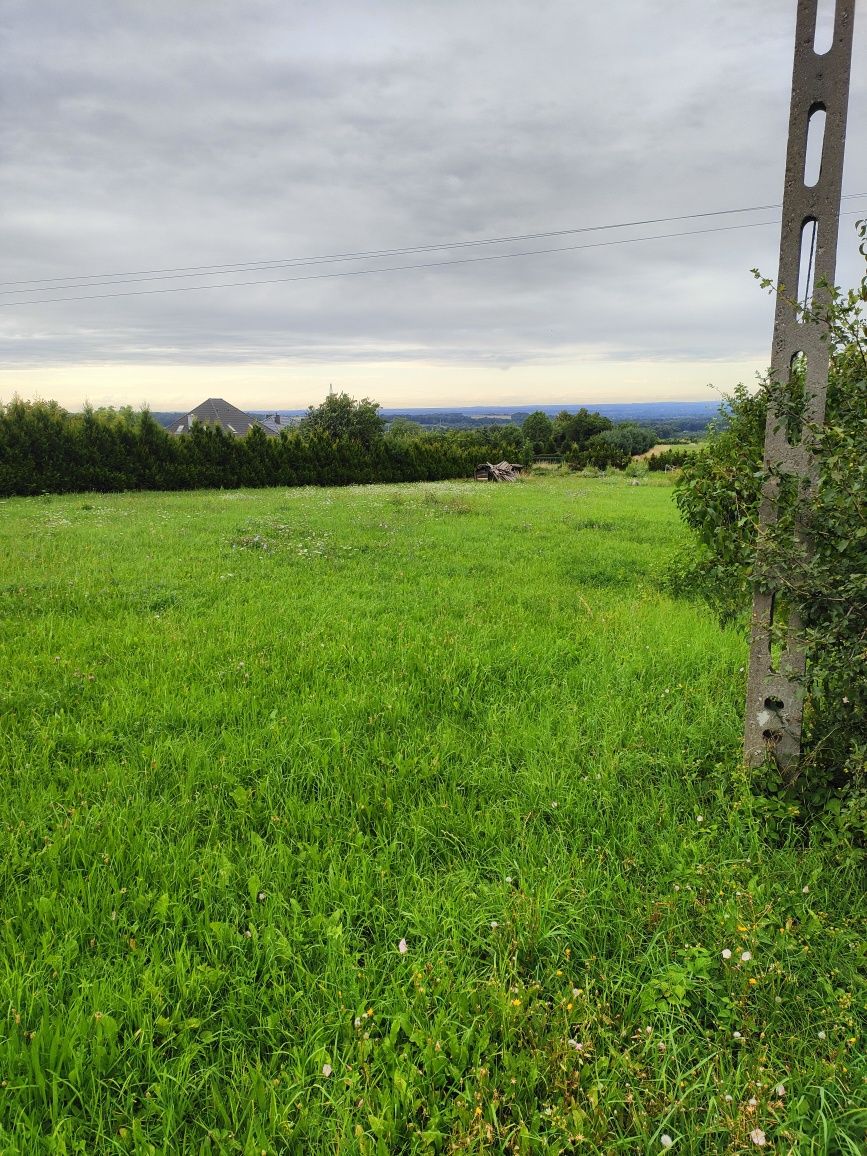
(397, 819)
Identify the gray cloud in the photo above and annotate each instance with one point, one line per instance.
(149, 135)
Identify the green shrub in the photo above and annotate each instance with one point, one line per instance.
(718, 494)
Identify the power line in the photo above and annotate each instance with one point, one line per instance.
(98, 280)
(393, 268)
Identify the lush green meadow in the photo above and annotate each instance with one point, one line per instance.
(398, 819)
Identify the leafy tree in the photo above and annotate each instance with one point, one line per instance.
(576, 429)
(402, 428)
(342, 417)
(538, 430)
(825, 582)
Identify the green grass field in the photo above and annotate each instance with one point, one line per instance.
(398, 819)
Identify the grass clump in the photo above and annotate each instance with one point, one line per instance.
(410, 833)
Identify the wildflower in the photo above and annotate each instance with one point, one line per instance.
(508, 878)
(327, 1070)
(758, 1137)
(357, 1021)
(821, 1035)
(665, 1140)
(780, 1089)
(737, 1035)
(805, 890)
(778, 999)
(576, 991)
(753, 982)
(261, 896)
(494, 925)
(402, 947)
(752, 1101)
(516, 1002)
(726, 953)
(746, 956)
(728, 1098)
(574, 1045)
(699, 818)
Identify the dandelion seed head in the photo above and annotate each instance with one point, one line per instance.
(327, 1070)
(758, 1137)
(726, 953)
(746, 956)
(666, 1141)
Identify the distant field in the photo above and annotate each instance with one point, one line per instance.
(398, 819)
(663, 446)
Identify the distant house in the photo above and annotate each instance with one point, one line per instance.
(216, 411)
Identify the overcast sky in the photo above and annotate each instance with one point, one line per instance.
(152, 135)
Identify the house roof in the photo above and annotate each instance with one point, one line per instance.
(217, 411)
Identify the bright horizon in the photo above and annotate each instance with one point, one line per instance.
(277, 387)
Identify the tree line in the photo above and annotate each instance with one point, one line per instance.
(45, 449)
(587, 439)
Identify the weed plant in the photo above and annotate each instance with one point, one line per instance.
(398, 819)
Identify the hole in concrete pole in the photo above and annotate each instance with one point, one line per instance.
(775, 704)
(824, 37)
(796, 398)
(815, 140)
(807, 264)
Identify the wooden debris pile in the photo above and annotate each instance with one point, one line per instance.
(501, 472)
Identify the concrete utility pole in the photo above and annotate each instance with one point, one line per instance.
(811, 218)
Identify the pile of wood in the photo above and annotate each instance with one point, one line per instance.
(501, 472)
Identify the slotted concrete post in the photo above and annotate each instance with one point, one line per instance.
(811, 218)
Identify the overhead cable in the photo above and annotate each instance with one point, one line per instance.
(98, 280)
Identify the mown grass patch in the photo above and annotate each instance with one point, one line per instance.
(464, 717)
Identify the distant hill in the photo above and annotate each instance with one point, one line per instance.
(686, 415)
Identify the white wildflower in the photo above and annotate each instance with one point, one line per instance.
(327, 1070)
(665, 1140)
(402, 947)
(758, 1137)
(726, 953)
